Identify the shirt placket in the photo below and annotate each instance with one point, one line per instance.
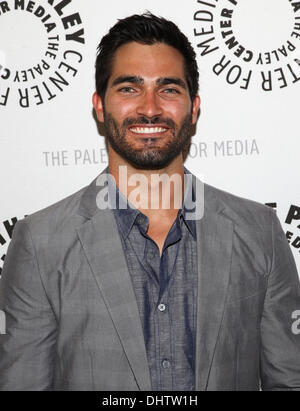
(162, 266)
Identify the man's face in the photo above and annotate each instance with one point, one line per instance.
(147, 109)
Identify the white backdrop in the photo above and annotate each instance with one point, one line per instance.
(247, 138)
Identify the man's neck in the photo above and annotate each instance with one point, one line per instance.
(158, 199)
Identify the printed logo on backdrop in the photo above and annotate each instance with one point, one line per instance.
(211, 148)
(293, 220)
(250, 43)
(291, 225)
(41, 50)
(6, 230)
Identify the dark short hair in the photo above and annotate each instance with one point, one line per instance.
(145, 29)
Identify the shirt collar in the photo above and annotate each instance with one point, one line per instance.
(126, 213)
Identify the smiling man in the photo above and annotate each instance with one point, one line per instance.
(127, 295)
(148, 111)
(148, 116)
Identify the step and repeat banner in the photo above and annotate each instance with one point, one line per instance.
(247, 138)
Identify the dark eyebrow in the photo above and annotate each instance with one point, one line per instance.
(128, 79)
(139, 80)
(171, 80)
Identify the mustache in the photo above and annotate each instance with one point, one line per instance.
(152, 121)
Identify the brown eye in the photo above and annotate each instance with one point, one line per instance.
(171, 91)
(128, 90)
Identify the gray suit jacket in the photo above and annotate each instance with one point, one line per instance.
(73, 321)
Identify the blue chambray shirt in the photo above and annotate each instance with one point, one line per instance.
(166, 291)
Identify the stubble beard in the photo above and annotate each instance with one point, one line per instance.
(148, 158)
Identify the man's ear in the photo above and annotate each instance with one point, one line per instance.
(98, 106)
(196, 107)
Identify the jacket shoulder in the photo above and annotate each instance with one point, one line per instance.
(239, 209)
(56, 216)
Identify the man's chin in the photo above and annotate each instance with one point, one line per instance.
(147, 163)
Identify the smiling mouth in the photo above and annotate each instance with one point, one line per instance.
(148, 132)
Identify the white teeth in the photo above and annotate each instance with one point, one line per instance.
(148, 130)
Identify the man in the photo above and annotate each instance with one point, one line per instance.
(135, 297)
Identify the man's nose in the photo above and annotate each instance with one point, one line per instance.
(149, 105)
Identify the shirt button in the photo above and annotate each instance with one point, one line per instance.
(166, 364)
(161, 307)
(139, 219)
(151, 255)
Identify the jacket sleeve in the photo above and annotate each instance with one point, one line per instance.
(280, 334)
(27, 348)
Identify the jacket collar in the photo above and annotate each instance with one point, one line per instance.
(88, 204)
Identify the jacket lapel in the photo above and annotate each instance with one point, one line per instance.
(214, 243)
(100, 239)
